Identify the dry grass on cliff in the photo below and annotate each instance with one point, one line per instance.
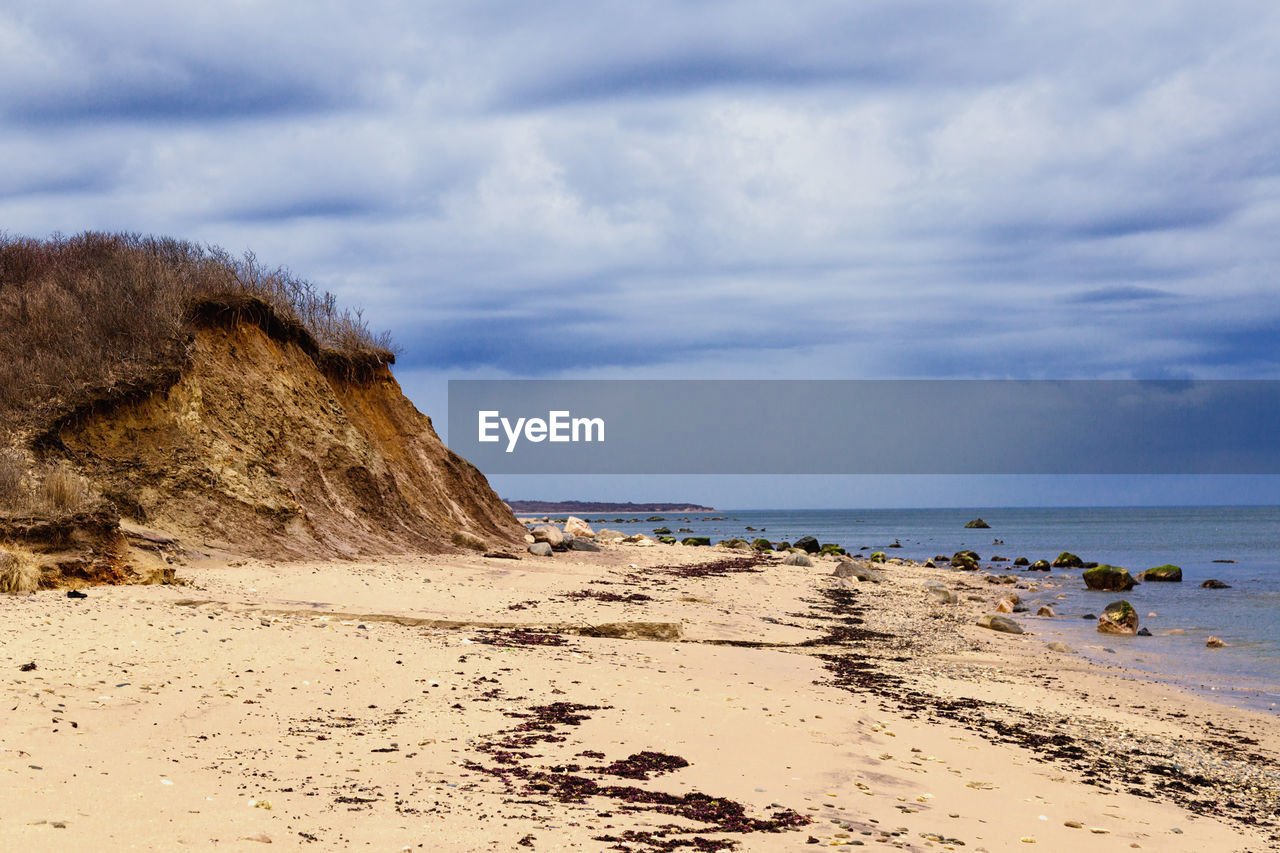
(19, 571)
(97, 315)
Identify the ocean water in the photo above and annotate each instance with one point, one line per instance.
(1247, 616)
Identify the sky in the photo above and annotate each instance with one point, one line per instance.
(809, 190)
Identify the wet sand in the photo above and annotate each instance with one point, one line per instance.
(591, 702)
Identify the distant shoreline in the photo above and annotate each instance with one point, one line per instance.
(603, 506)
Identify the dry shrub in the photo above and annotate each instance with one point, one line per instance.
(12, 474)
(63, 489)
(93, 315)
(19, 571)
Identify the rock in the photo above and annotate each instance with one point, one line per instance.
(604, 534)
(1167, 573)
(667, 540)
(1109, 579)
(797, 559)
(977, 524)
(1067, 560)
(1023, 561)
(930, 564)
(895, 544)
(1214, 643)
(540, 549)
(996, 558)
(696, 540)
(1003, 624)
(1143, 632)
(941, 558)
(1040, 566)
(877, 557)
(1214, 583)
(963, 560)
(848, 569)
(808, 544)
(549, 534)
(834, 550)
(468, 540)
(1045, 610)
(1056, 646)
(578, 543)
(762, 544)
(578, 527)
(501, 555)
(1004, 605)
(734, 544)
(942, 595)
(1118, 617)
(662, 531)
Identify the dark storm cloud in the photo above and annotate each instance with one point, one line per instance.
(815, 188)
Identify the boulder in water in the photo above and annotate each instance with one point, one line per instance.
(1109, 579)
(1165, 573)
(1118, 617)
(1067, 560)
(1214, 583)
(977, 524)
(808, 544)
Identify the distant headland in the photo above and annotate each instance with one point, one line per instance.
(599, 506)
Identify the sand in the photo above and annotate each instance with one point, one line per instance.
(419, 703)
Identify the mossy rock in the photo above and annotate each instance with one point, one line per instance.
(1166, 573)
(783, 546)
(972, 555)
(735, 544)
(964, 560)
(762, 545)
(662, 531)
(878, 557)
(1119, 617)
(977, 524)
(1067, 560)
(667, 540)
(1039, 566)
(696, 540)
(1109, 579)
(832, 548)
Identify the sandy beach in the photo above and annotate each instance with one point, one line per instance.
(640, 698)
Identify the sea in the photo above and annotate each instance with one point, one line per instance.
(1238, 545)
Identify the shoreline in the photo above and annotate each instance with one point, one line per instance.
(395, 701)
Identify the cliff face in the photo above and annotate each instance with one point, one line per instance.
(259, 450)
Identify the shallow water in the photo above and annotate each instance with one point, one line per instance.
(1247, 616)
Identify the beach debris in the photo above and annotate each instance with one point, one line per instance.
(1214, 643)
(1214, 583)
(977, 524)
(1058, 646)
(1003, 624)
(1118, 617)
(797, 558)
(1067, 560)
(75, 593)
(540, 549)
(1109, 578)
(27, 667)
(1167, 573)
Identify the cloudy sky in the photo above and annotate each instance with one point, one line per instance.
(691, 189)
